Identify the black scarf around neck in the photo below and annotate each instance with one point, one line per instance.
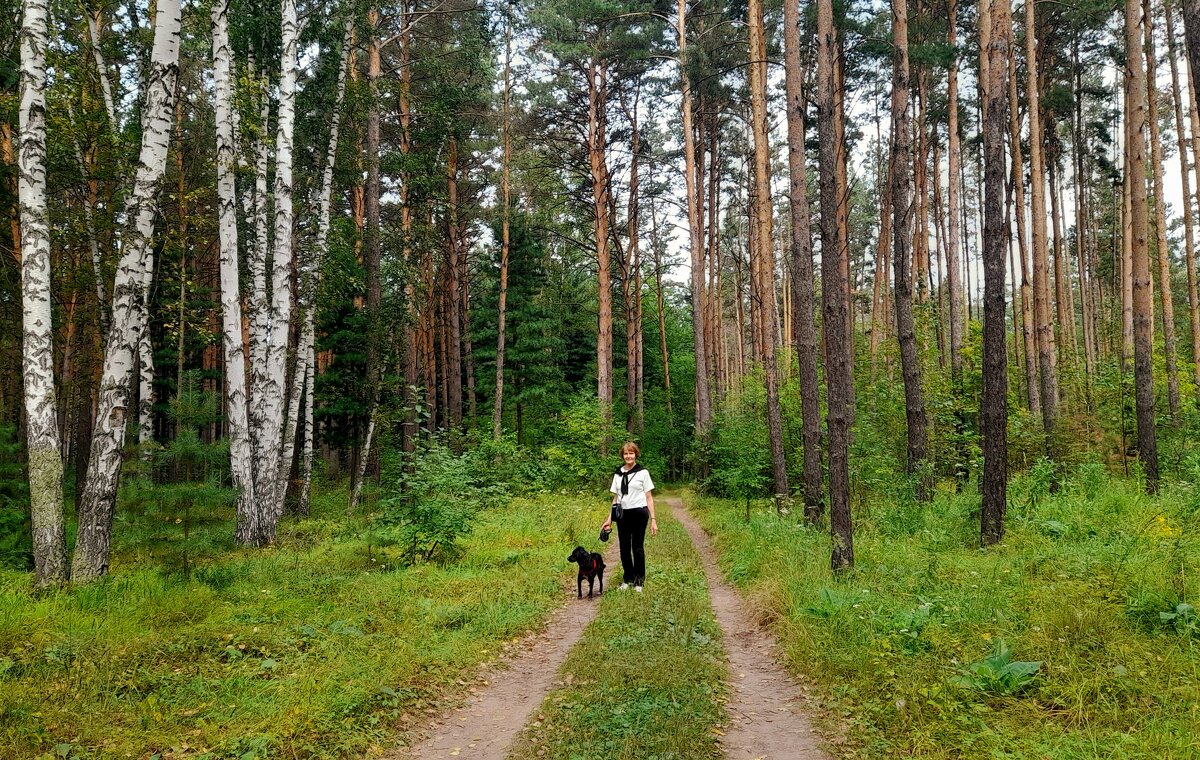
(625, 476)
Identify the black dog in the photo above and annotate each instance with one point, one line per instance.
(591, 566)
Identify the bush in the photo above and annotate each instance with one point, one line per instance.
(572, 456)
(430, 505)
(739, 460)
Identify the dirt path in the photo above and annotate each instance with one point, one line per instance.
(766, 708)
(484, 727)
(767, 714)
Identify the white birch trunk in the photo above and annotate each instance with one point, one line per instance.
(305, 506)
(89, 221)
(274, 378)
(41, 405)
(89, 207)
(146, 369)
(129, 314)
(241, 462)
(106, 89)
(257, 265)
(363, 458)
(310, 281)
(299, 377)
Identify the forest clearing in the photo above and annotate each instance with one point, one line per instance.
(337, 337)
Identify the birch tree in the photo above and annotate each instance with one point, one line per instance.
(237, 424)
(311, 280)
(129, 308)
(269, 442)
(41, 404)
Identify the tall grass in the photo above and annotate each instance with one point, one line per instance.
(1093, 584)
(319, 647)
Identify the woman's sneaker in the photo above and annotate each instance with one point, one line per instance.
(637, 589)
(623, 587)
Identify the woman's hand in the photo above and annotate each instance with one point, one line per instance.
(653, 527)
(607, 524)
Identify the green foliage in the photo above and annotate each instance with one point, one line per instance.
(740, 461)
(582, 431)
(16, 541)
(1093, 580)
(431, 504)
(1183, 619)
(998, 674)
(538, 330)
(181, 486)
(308, 650)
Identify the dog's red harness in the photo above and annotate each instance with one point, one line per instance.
(592, 569)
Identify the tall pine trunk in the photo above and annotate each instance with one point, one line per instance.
(656, 248)
(373, 254)
(703, 409)
(835, 290)
(902, 242)
(410, 429)
(953, 276)
(453, 295)
(1042, 320)
(598, 166)
(993, 411)
(1189, 232)
(630, 285)
(764, 250)
(502, 306)
(1160, 217)
(1082, 223)
(1028, 333)
(1138, 223)
(804, 330)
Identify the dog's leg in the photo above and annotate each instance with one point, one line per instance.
(579, 586)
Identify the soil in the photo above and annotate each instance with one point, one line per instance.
(485, 725)
(768, 717)
(767, 709)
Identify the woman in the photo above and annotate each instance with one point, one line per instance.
(632, 488)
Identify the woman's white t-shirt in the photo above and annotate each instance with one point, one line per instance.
(639, 485)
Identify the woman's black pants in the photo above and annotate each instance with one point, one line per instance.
(631, 532)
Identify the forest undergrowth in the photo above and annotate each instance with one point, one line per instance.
(1075, 638)
(648, 677)
(321, 647)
